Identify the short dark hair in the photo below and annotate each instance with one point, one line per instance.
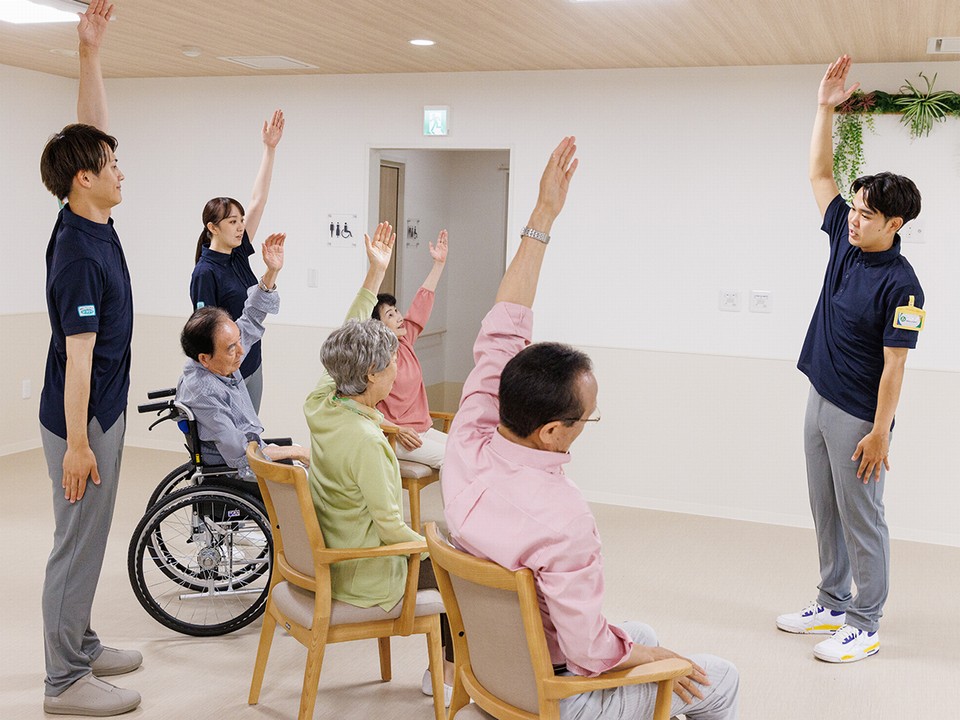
(890, 195)
(214, 211)
(198, 334)
(539, 385)
(76, 148)
(382, 299)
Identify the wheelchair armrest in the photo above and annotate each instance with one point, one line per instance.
(278, 441)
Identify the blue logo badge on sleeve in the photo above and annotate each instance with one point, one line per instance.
(86, 310)
(200, 304)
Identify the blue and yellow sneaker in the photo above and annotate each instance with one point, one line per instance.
(848, 644)
(814, 619)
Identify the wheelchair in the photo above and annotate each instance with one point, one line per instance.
(199, 560)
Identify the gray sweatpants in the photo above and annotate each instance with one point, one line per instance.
(636, 702)
(73, 568)
(254, 385)
(852, 534)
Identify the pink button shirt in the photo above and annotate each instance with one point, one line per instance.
(514, 505)
(406, 405)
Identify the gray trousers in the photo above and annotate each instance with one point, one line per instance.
(636, 702)
(254, 384)
(73, 568)
(852, 535)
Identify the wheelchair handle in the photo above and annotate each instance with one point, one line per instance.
(151, 407)
(154, 394)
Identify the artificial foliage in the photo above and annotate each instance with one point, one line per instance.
(917, 104)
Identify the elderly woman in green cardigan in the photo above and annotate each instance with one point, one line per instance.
(354, 474)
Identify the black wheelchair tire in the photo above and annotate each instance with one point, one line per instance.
(149, 577)
(176, 479)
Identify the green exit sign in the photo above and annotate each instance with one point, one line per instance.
(436, 120)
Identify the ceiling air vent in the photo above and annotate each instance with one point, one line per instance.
(943, 45)
(269, 62)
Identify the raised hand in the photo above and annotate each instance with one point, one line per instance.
(380, 248)
(439, 251)
(273, 130)
(832, 91)
(272, 251)
(556, 177)
(93, 23)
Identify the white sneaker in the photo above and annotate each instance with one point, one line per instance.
(92, 697)
(814, 619)
(426, 686)
(848, 644)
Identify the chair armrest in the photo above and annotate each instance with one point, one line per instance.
(564, 686)
(334, 555)
(446, 419)
(391, 431)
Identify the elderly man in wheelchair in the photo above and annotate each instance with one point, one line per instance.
(199, 558)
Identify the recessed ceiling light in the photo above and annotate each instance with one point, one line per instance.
(191, 52)
(65, 52)
(22, 12)
(422, 42)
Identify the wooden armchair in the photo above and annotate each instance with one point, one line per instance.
(502, 660)
(415, 476)
(300, 598)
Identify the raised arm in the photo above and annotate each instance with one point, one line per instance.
(271, 133)
(379, 251)
(519, 283)
(92, 98)
(272, 251)
(832, 93)
(439, 254)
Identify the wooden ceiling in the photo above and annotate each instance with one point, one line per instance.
(371, 36)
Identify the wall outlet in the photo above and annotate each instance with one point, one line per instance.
(313, 278)
(761, 301)
(26, 389)
(729, 300)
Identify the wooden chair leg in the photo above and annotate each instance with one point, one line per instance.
(414, 492)
(311, 675)
(435, 654)
(661, 710)
(386, 669)
(263, 654)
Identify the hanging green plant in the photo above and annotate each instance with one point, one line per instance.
(920, 110)
(848, 158)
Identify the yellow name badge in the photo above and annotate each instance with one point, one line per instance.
(908, 317)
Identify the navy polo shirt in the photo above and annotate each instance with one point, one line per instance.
(843, 351)
(88, 290)
(222, 280)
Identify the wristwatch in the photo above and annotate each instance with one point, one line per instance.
(265, 288)
(535, 234)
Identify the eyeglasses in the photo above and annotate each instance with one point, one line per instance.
(595, 417)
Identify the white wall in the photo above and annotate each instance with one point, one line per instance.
(690, 180)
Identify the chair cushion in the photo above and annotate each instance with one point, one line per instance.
(297, 604)
(418, 471)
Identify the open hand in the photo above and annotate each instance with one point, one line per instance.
(872, 451)
(78, 466)
(832, 91)
(409, 438)
(439, 251)
(556, 177)
(380, 248)
(272, 251)
(273, 131)
(93, 23)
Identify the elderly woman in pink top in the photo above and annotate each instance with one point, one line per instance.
(406, 405)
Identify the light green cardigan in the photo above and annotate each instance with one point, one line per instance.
(355, 483)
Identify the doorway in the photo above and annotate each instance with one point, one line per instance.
(465, 192)
(391, 210)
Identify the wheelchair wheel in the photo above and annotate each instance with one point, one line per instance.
(176, 479)
(199, 561)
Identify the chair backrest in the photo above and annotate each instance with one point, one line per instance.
(289, 504)
(495, 622)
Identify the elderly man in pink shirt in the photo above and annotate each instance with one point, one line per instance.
(508, 500)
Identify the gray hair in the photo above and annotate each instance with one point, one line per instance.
(354, 351)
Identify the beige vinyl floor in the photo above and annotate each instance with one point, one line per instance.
(705, 584)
